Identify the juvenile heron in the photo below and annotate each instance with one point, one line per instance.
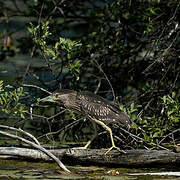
(94, 107)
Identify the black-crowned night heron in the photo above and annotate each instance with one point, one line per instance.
(94, 107)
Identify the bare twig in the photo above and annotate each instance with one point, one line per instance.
(98, 86)
(21, 131)
(132, 135)
(169, 135)
(37, 146)
(100, 68)
(37, 87)
(64, 128)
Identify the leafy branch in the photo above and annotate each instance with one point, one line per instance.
(10, 100)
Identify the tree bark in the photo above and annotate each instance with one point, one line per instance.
(97, 156)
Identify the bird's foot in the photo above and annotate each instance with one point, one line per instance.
(114, 147)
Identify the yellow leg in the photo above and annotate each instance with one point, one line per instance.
(90, 141)
(111, 136)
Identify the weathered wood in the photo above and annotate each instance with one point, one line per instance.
(97, 156)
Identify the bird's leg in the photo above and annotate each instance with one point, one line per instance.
(90, 141)
(111, 136)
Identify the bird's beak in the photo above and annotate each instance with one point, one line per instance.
(50, 98)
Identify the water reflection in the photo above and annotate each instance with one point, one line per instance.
(16, 169)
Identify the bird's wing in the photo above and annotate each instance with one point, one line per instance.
(97, 106)
(90, 97)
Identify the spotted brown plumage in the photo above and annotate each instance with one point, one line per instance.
(97, 109)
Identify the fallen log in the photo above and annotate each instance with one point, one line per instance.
(97, 156)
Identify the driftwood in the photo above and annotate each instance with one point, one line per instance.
(97, 156)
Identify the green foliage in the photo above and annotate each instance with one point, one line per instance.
(133, 112)
(65, 50)
(39, 34)
(171, 109)
(148, 15)
(158, 126)
(9, 100)
(68, 47)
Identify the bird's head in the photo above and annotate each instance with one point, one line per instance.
(64, 97)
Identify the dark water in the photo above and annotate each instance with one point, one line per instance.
(16, 169)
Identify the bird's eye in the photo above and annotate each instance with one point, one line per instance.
(56, 95)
